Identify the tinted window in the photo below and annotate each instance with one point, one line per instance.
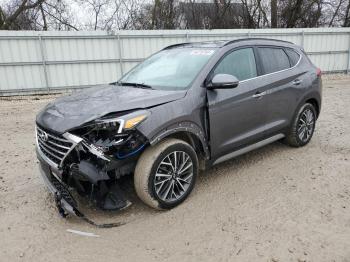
(293, 56)
(273, 59)
(239, 63)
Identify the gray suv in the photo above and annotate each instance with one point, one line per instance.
(184, 109)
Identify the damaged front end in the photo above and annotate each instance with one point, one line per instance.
(90, 159)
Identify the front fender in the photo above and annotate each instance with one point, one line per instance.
(186, 127)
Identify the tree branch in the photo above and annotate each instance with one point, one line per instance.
(22, 8)
(61, 21)
(44, 17)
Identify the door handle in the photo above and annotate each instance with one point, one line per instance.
(297, 82)
(259, 94)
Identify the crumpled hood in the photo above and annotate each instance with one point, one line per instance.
(74, 110)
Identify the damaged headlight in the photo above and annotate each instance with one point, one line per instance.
(116, 135)
(125, 122)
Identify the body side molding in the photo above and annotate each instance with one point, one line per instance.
(248, 148)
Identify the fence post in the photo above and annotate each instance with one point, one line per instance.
(120, 53)
(302, 39)
(43, 60)
(348, 69)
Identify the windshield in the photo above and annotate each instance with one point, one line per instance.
(172, 69)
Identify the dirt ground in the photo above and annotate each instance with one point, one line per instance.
(274, 204)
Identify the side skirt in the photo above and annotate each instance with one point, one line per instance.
(249, 148)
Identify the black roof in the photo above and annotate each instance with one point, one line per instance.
(222, 43)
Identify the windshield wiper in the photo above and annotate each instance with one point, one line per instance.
(138, 85)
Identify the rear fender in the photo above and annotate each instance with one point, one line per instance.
(312, 95)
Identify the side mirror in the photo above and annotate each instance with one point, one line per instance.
(223, 81)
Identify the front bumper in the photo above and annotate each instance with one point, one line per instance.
(65, 203)
(53, 151)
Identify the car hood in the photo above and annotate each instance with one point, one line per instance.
(72, 111)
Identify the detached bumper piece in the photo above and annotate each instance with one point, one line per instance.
(65, 203)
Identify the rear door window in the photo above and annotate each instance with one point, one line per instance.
(239, 63)
(293, 56)
(273, 59)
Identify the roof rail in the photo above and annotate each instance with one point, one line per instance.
(175, 45)
(252, 38)
(214, 43)
(221, 43)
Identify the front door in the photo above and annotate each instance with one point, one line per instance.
(236, 116)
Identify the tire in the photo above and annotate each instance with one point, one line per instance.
(307, 114)
(156, 184)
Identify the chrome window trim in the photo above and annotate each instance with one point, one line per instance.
(255, 46)
(284, 70)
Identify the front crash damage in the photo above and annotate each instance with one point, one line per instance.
(89, 160)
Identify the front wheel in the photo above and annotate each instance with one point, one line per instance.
(165, 174)
(303, 126)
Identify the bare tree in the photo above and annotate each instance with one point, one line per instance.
(164, 14)
(110, 14)
(274, 14)
(347, 15)
(36, 15)
(18, 8)
(58, 16)
(211, 15)
(113, 15)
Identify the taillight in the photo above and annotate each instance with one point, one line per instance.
(318, 72)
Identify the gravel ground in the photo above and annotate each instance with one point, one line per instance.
(274, 204)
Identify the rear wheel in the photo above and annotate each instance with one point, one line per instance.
(166, 173)
(303, 126)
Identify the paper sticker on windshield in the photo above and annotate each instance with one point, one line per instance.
(202, 52)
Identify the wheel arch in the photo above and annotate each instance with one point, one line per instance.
(315, 103)
(313, 98)
(191, 134)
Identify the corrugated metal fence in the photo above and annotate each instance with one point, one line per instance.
(47, 61)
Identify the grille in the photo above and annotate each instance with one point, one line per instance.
(54, 147)
(64, 192)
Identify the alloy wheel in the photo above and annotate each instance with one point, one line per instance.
(306, 125)
(173, 176)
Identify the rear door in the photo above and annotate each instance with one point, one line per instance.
(282, 81)
(236, 115)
